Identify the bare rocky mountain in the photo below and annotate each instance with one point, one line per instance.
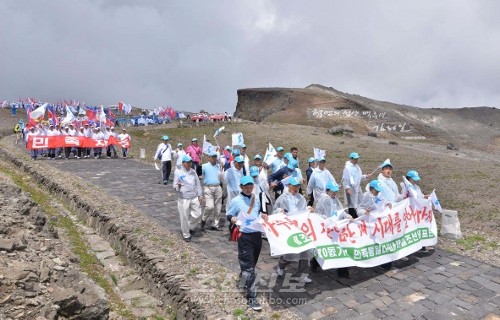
(316, 105)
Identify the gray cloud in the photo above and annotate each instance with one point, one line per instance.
(196, 54)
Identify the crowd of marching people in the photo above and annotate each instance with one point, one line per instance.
(253, 188)
(66, 152)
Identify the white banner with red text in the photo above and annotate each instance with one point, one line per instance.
(367, 241)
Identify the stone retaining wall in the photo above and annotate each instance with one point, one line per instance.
(170, 287)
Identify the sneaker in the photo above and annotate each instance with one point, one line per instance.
(280, 272)
(78, 157)
(254, 305)
(424, 249)
(165, 182)
(202, 225)
(188, 239)
(306, 279)
(215, 228)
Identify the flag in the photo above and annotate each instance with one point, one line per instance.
(318, 153)
(70, 117)
(102, 115)
(120, 107)
(207, 148)
(39, 112)
(237, 139)
(412, 193)
(435, 201)
(270, 155)
(91, 113)
(127, 108)
(218, 131)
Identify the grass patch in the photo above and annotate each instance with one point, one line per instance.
(89, 263)
(114, 278)
(470, 242)
(240, 314)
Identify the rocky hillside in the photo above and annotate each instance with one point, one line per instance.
(316, 105)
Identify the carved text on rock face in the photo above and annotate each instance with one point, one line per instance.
(321, 113)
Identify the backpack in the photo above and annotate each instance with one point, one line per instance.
(17, 128)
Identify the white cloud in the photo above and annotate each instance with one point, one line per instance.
(196, 54)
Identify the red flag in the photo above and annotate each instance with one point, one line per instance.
(91, 114)
(120, 106)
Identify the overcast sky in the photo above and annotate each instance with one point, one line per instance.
(196, 54)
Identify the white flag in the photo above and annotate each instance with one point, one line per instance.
(410, 188)
(218, 131)
(318, 153)
(238, 139)
(207, 148)
(270, 155)
(435, 201)
(70, 117)
(102, 115)
(39, 112)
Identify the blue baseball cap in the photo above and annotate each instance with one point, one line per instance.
(239, 159)
(332, 186)
(294, 181)
(228, 148)
(179, 144)
(246, 180)
(165, 138)
(292, 164)
(257, 157)
(254, 171)
(413, 174)
(279, 149)
(311, 159)
(243, 145)
(377, 185)
(321, 159)
(186, 158)
(236, 152)
(354, 155)
(213, 154)
(194, 139)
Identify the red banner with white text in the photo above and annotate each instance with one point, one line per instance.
(52, 142)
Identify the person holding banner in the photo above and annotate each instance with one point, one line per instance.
(212, 172)
(164, 154)
(188, 186)
(111, 149)
(329, 206)
(390, 188)
(318, 180)
(290, 203)
(51, 133)
(243, 209)
(351, 180)
(32, 132)
(412, 190)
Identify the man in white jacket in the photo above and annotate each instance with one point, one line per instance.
(351, 180)
(390, 188)
(318, 180)
(164, 154)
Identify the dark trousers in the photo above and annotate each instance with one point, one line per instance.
(166, 168)
(67, 152)
(249, 246)
(52, 153)
(197, 168)
(353, 212)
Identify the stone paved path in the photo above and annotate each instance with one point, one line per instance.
(440, 285)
